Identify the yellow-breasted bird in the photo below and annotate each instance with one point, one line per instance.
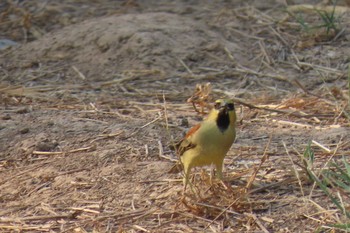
(208, 142)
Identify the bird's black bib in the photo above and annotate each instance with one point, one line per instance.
(223, 120)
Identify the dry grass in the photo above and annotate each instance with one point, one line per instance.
(108, 172)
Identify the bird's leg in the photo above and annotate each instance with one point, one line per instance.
(186, 179)
(211, 174)
(220, 177)
(185, 182)
(219, 170)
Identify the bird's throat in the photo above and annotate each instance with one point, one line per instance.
(223, 120)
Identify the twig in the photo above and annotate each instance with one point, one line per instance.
(218, 208)
(151, 122)
(160, 147)
(165, 113)
(304, 89)
(246, 35)
(41, 228)
(322, 68)
(230, 56)
(262, 227)
(85, 210)
(184, 65)
(23, 172)
(47, 152)
(292, 123)
(263, 50)
(42, 218)
(279, 36)
(222, 212)
(189, 215)
(145, 125)
(104, 136)
(277, 77)
(263, 159)
(139, 228)
(80, 74)
(291, 113)
(321, 146)
(63, 152)
(286, 181)
(128, 215)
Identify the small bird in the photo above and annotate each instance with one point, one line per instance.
(208, 142)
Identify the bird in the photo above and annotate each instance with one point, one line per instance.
(207, 143)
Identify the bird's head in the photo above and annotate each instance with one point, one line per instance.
(223, 113)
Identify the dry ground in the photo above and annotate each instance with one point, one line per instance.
(94, 97)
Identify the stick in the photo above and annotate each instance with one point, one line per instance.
(62, 152)
(263, 159)
(186, 67)
(80, 74)
(41, 218)
(258, 222)
(321, 146)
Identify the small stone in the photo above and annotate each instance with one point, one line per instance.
(46, 145)
(22, 110)
(50, 123)
(6, 43)
(24, 130)
(184, 122)
(6, 117)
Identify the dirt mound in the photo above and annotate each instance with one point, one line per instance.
(100, 48)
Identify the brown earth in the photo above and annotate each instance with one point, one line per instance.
(94, 96)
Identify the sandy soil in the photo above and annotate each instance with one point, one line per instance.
(93, 98)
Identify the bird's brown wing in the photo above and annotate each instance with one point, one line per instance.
(192, 131)
(184, 145)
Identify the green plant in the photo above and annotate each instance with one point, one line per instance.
(300, 19)
(338, 175)
(330, 21)
(334, 181)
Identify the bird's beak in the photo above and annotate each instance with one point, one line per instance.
(224, 108)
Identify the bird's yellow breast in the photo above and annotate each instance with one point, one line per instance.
(211, 145)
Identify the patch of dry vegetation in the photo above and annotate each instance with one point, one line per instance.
(90, 153)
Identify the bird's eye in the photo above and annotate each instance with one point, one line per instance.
(217, 105)
(230, 106)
